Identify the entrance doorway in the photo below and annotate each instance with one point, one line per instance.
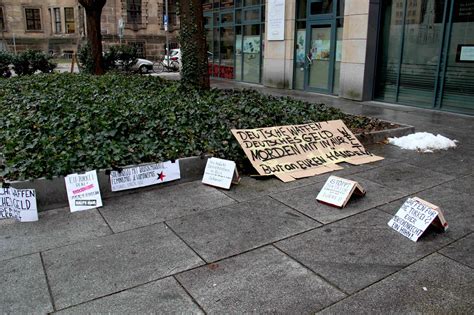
(318, 45)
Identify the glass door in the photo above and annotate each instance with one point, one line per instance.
(320, 55)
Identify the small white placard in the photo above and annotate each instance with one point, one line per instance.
(144, 175)
(337, 191)
(83, 191)
(467, 53)
(219, 173)
(413, 218)
(19, 204)
(276, 20)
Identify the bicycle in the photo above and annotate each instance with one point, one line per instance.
(163, 65)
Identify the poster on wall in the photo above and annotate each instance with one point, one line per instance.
(300, 47)
(252, 44)
(320, 49)
(276, 20)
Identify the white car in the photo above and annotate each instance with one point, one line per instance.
(143, 66)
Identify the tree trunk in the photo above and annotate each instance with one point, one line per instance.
(93, 13)
(193, 45)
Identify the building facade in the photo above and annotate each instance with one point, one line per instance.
(59, 26)
(412, 52)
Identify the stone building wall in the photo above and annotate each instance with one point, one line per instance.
(58, 26)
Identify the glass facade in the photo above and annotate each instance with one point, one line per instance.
(425, 56)
(318, 45)
(234, 35)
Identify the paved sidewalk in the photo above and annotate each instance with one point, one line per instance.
(262, 247)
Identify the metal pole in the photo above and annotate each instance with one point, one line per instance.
(166, 32)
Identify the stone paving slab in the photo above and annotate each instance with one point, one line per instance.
(55, 228)
(23, 286)
(304, 200)
(352, 254)
(462, 184)
(406, 177)
(449, 290)
(450, 162)
(219, 233)
(88, 270)
(164, 296)
(141, 209)
(456, 207)
(261, 281)
(462, 251)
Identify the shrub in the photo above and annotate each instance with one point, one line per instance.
(63, 123)
(30, 61)
(121, 57)
(84, 56)
(5, 60)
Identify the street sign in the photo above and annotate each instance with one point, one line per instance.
(165, 22)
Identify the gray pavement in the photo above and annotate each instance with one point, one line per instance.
(263, 246)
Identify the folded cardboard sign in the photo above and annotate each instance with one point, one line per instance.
(297, 151)
(414, 217)
(337, 191)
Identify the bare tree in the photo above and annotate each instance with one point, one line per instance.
(193, 44)
(93, 13)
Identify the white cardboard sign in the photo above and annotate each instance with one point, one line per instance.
(414, 216)
(337, 191)
(19, 204)
(276, 20)
(144, 175)
(83, 191)
(219, 173)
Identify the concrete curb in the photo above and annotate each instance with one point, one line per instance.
(51, 193)
(379, 136)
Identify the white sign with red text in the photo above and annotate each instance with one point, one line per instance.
(83, 191)
(144, 175)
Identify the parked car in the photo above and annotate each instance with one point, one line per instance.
(143, 66)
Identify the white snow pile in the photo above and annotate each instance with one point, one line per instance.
(423, 141)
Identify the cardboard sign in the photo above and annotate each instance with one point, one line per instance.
(337, 191)
(18, 204)
(220, 173)
(144, 175)
(414, 216)
(296, 151)
(83, 191)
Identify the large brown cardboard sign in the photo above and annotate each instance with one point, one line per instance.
(297, 151)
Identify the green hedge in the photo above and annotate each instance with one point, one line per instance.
(63, 123)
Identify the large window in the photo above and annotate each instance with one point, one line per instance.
(419, 47)
(33, 19)
(234, 34)
(69, 20)
(2, 20)
(57, 21)
(134, 11)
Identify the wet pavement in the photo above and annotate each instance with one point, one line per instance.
(263, 246)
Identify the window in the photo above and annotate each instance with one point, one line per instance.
(2, 21)
(140, 47)
(69, 20)
(57, 21)
(33, 19)
(134, 11)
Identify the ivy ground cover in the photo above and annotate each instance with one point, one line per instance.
(58, 124)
